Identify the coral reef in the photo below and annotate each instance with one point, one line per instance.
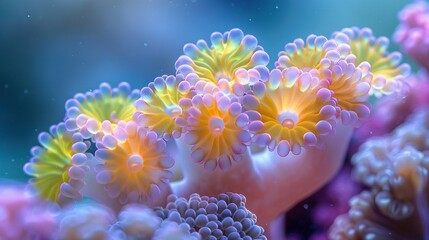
(224, 123)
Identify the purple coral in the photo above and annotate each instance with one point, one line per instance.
(24, 216)
(396, 169)
(222, 217)
(413, 32)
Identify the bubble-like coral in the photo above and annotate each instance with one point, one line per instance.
(315, 55)
(350, 90)
(413, 32)
(98, 112)
(290, 111)
(388, 72)
(213, 217)
(24, 216)
(216, 131)
(134, 165)
(59, 166)
(163, 103)
(396, 169)
(230, 55)
(85, 221)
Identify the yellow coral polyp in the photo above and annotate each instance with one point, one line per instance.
(159, 107)
(135, 169)
(99, 112)
(290, 111)
(228, 53)
(388, 73)
(58, 168)
(215, 131)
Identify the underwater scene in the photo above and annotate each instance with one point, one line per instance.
(205, 120)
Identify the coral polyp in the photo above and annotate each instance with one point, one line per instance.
(316, 53)
(389, 74)
(290, 111)
(162, 104)
(134, 166)
(228, 53)
(60, 165)
(216, 131)
(351, 91)
(88, 112)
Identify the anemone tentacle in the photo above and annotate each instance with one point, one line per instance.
(231, 56)
(314, 55)
(162, 104)
(59, 167)
(290, 111)
(388, 71)
(216, 131)
(133, 168)
(98, 112)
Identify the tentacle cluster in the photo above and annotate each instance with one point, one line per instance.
(219, 217)
(350, 89)
(396, 169)
(314, 55)
(413, 32)
(216, 130)
(163, 103)
(59, 166)
(134, 165)
(389, 74)
(97, 113)
(231, 56)
(290, 111)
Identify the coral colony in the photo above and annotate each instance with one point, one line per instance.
(226, 145)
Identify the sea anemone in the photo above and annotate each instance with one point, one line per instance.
(134, 165)
(230, 55)
(213, 217)
(216, 131)
(162, 104)
(413, 32)
(350, 90)
(59, 167)
(314, 55)
(98, 112)
(290, 111)
(389, 74)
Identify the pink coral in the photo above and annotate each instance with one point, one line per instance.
(24, 216)
(413, 32)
